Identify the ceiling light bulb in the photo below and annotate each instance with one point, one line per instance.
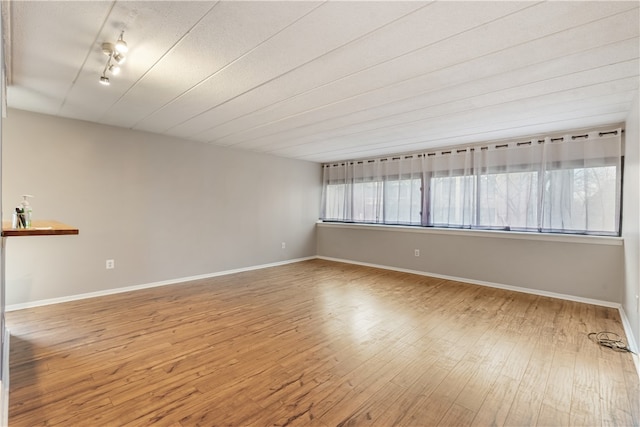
(115, 69)
(119, 58)
(121, 45)
(104, 80)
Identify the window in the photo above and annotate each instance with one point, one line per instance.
(581, 199)
(403, 201)
(335, 197)
(567, 185)
(509, 201)
(503, 201)
(365, 198)
(452, 201)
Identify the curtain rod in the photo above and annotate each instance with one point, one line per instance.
(462, 150)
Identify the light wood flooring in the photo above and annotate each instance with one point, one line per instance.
(319, 343)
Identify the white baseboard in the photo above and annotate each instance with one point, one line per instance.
(14, 307)
(20, 306)
(631, 341)
(483, 283)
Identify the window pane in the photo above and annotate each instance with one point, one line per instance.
(580, 200)
(367, 201)
(509, 200)
(452, 201)
(402, 201)
(334, 202)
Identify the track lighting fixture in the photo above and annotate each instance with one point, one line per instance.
(116, 58)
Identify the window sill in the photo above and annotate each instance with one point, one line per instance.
(550, 237)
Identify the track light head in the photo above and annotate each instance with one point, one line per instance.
(107, 48)
(121, 45)
(104, 80)
(119, 58)
(115, 69)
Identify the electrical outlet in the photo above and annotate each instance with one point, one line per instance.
(416, 252)
(110, 264)
(284, 245)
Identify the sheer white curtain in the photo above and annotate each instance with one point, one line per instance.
(568, 184)
(495, 186)
(582, 183)
(386, 190)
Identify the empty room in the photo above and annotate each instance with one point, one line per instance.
(320, 213)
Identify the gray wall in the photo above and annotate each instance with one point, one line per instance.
(631, 220)
(162, 208)
(569, 266)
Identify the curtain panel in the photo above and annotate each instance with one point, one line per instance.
(568, 184)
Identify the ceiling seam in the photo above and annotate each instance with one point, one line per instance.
(421, 94)
(604, 123)
(508, 125)
(456, 101)
(398, 82)
(171, 48)
(382, 145)
(194, 87)
(84, 62)
(420, 108)
(529, 135)
(570, 77)
(502, 103)
(292, 69)
(362, 69)
(505, 103)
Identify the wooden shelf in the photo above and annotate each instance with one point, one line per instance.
(38, 228)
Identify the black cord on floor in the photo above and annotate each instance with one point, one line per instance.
(611, 340)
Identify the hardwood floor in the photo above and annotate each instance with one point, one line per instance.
(319, 343)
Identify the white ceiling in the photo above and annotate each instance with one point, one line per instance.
(326, 81)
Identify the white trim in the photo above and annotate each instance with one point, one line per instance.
(518, 235)
(14, 307)
(631, 341)
(20, 306)
(483, 283)
(4, 383)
